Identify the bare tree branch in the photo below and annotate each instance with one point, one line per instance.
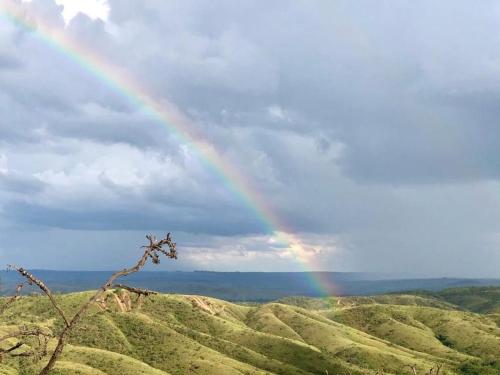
(145, 292)
(18, 345)
(434, 370)
(413, 368)
(153, 250)
(37, 352)
(12, 299)
(44, 288)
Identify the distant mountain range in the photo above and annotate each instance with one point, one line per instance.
(248, 286)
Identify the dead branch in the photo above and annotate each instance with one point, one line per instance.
(124, 301)
(413, 368)
(39, 352)
(23, 332)
(44, 288)
(138, 291)
(12, 299)
(434, 370)
(5, 351)
(153, 250)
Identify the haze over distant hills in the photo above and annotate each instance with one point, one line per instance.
(249, 286)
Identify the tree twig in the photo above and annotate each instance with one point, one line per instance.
(38, 352)
(153, 250)
(140, 291)
(12, 299)
(44, 288)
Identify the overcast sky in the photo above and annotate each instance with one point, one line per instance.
(370, 128)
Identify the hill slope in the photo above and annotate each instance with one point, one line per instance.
(479, 299)
(176, 334)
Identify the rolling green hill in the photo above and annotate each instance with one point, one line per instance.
(177, 334)
(477, 299)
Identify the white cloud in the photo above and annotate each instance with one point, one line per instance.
(278, 113)
(262, 253)
(92, 8)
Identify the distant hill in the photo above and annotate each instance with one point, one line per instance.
(248, 286)
(186, 334)
(483, 300)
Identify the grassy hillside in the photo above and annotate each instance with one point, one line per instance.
(482, 300)
(176, 334)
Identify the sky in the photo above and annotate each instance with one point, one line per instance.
(369, 128)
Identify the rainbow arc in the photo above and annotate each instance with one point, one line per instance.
(166, 114)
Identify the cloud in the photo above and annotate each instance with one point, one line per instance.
(370, 130)
(8, 62)
(91, 8)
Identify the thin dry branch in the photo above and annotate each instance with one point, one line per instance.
(23, 332)
(139, 291)
(44, 288)
(153, 250)
(413, 368)
(434, 370)
(5, 351)
(12, 299)
(39, 352)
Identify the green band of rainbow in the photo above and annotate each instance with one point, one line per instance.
(178, 125)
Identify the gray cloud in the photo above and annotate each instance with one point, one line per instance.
(20, 184)
(388, 86)
(370, 129)
(8, 62)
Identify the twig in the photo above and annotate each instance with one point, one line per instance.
(413, 368)
(39, 352)
(153, 250)
(44, 288)
(140, 291)
(12, 299)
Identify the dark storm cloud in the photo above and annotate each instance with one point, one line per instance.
(134, 217)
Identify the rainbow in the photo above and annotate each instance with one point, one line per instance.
(178, 125)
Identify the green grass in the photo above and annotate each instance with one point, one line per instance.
(174, 334)
(477, 299)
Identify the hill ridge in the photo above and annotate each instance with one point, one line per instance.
(180, 334)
